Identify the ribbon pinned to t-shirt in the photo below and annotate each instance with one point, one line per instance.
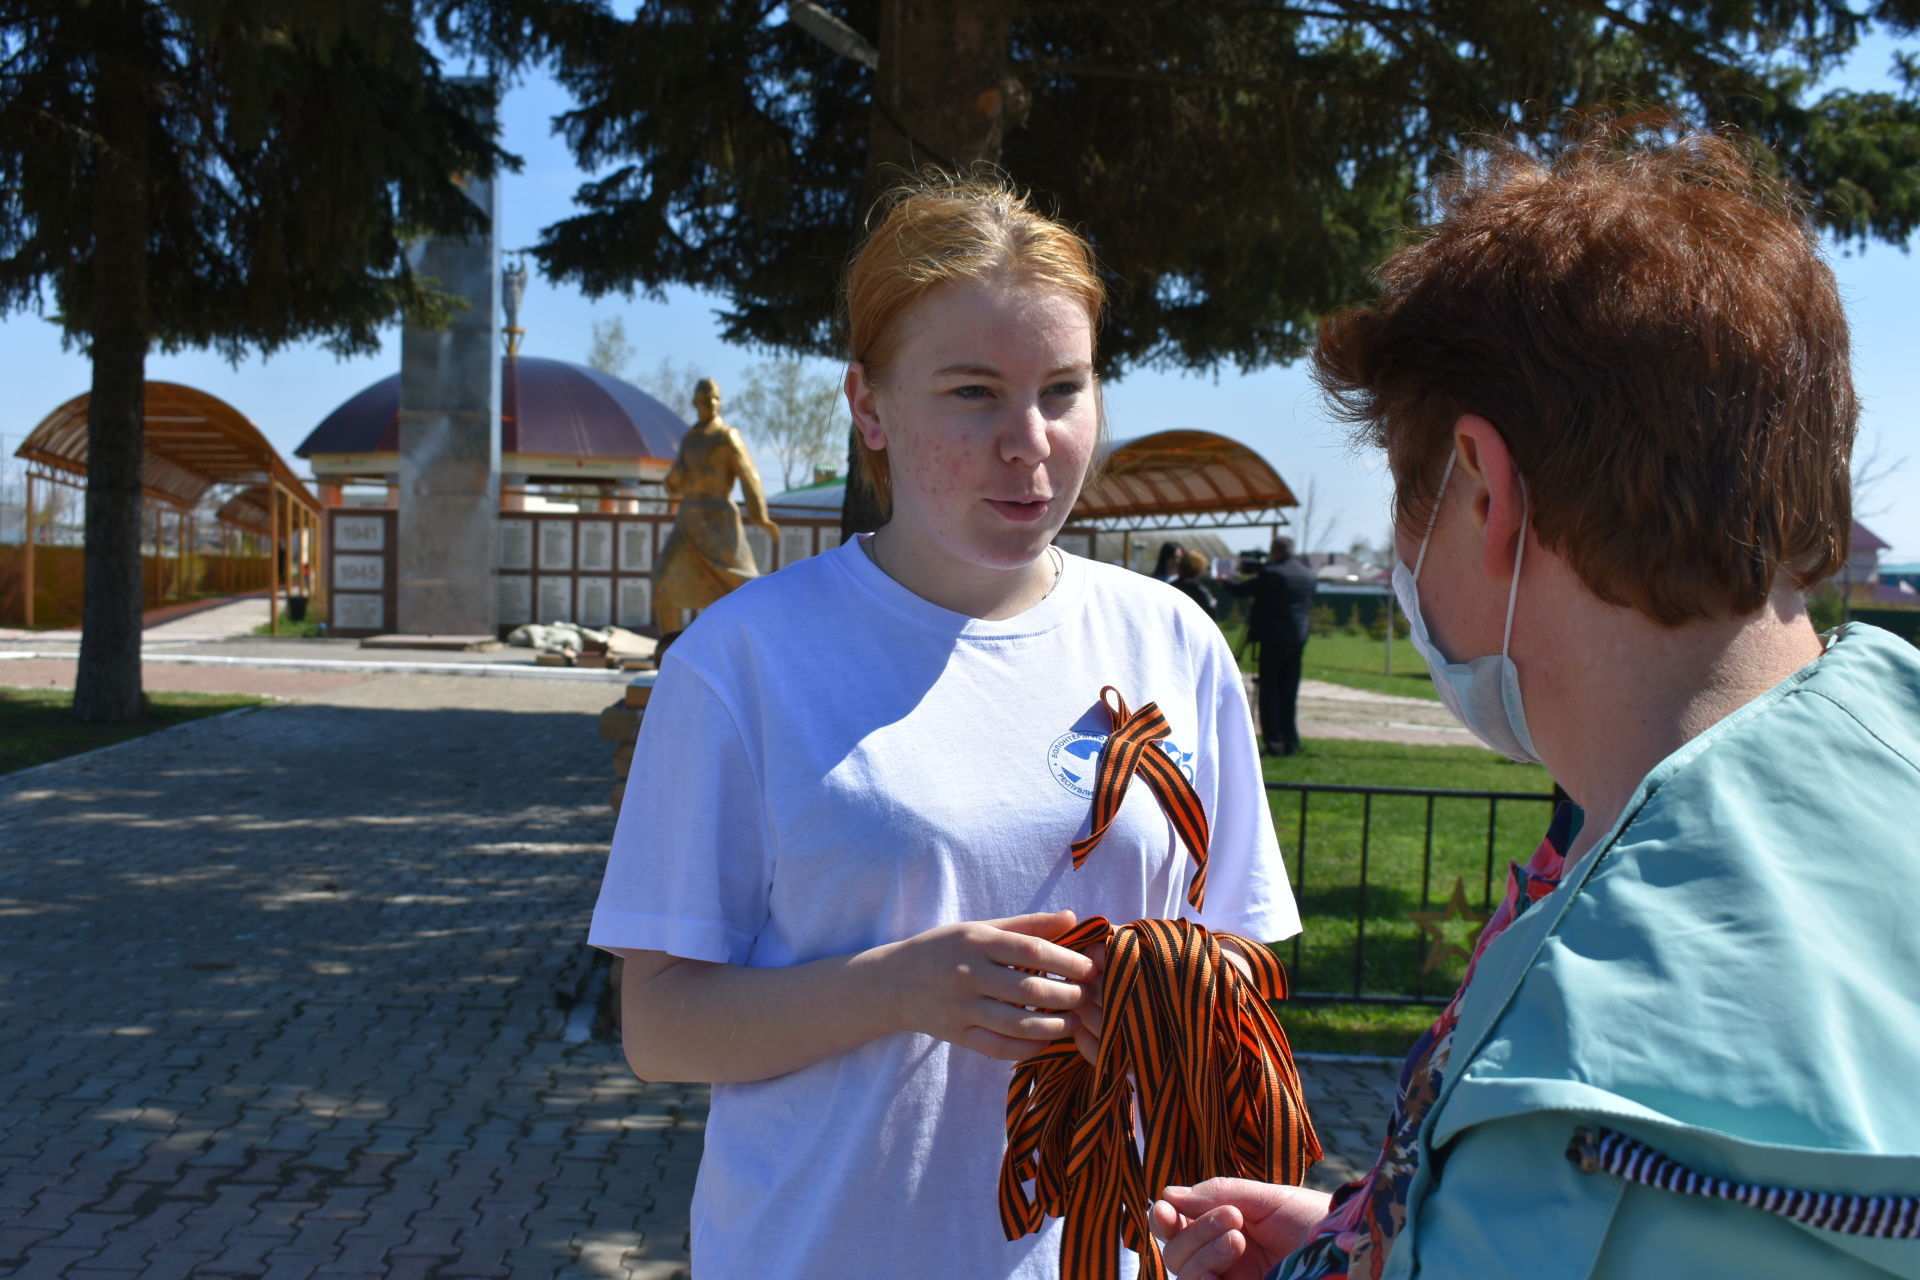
(1130, 750)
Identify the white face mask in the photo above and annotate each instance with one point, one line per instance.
(1484, 694)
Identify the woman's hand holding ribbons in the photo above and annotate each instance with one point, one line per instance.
(962, 983)
(1232, 1228)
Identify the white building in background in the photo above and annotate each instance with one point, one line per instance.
(1862, 570)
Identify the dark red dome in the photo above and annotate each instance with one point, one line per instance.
(548, 408)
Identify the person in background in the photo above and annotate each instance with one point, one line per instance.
(1613, 390)
(1192, 583)
(1282, 594)
(1166, 565)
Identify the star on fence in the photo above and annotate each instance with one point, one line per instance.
(1453, 931)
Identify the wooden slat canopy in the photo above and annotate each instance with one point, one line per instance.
(1170, 479)
(248, 510)
(193, 441)
(1174, 477)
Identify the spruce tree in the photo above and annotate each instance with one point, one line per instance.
(234, 174)
(1240, 165)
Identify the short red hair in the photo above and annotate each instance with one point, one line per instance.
(1649, 322)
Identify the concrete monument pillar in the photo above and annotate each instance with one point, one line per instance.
(450, 438)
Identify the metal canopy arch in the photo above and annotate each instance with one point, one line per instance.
(192, 441)
(1180, 478)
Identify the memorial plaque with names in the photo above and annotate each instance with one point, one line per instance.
(359, 612)
(359, 573)
(556, 600)
(516, 544)
(636, 547)
(762, 547)
(636, 603)
(596, 546)
(596, 602)
(796, 543)
(516, 599)
(359, 533)
(556, 545)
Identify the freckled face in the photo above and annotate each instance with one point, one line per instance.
(988, 416)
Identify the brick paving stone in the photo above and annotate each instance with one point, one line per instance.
(357, 1258)
(16, 1240)
(245, 1255)
(291, 1267)
(50, 1264)
(89, 1230)
(126, 1250)
(18, 1190)
(1349, 1100)
(173, 1266)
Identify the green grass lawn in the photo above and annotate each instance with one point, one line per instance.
(1360, 662)
(36, 725)
(306, 628)
(1325, 870)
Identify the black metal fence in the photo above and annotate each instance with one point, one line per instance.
(1351, 880)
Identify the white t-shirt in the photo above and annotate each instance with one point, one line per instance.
(830, 763)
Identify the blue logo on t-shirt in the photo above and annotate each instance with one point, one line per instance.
(1073, 757)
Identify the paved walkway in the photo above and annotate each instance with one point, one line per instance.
(1337, 711)
(288, 993)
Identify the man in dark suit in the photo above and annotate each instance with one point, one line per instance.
(1282, 595)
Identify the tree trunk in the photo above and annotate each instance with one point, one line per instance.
(107, 684)
(944, 94)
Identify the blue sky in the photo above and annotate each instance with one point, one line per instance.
(1274, 411)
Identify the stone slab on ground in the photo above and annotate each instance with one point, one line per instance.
(450, 644)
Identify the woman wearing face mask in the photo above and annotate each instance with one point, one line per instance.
(1613, 389)
(848, 820)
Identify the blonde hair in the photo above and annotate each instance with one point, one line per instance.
(942, 228)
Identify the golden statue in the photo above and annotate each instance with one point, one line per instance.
(707, 555)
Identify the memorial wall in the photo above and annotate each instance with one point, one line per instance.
(590, 568)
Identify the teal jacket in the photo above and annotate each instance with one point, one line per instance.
(1732, 976)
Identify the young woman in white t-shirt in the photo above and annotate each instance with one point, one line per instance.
(847, 825)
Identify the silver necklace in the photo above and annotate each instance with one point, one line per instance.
(1059, 567)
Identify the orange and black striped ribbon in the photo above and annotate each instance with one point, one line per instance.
(1189, 1047)
(1130, 750)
